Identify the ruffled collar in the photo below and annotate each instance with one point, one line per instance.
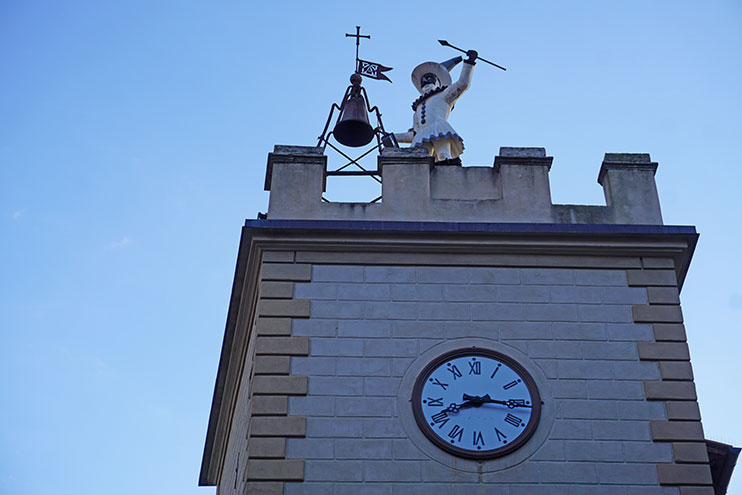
(426, 96)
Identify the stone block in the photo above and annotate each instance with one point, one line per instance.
(389, 348)
(264, 487)
(381, 386)
(313, 366)
(584, 369)
(278, 256)
(266, 447)
(276, 290)
(690, 452)
(291, 308)
(571, 294)
(683, 411)
(663, 351)
(569, 389)
(364, 406)
(657, 314)
(586, 450)
(669, 332)
(420, 292)
(390, 274)
(404, 471)
(630, 332)
(572, 473)
(651, 278)
(272, 405)
(278, 426)
(470, 293)
(547, 276)
(315, 328)
(353, 366)
(697, 490)
(652, 262)
(443, 311)
(663, 295)
(609, 313)
(406, 450)
(334, 427)
(639, 409)
(435, 472)
(422, 329)
(280, 385)
(627, 474)
(318, 470)
(495, 276)
(684, 474)
(676, 370)
(571, 429)
(632, 370)
(676, 431)
(551, 349)
(316, 290)
(274, 326)
(338, 310)
(389, 310)
(272, 365)
(359, 448)
(669, 390)
(613, 278)
(442, 275)
(620, 430)
(337, 346)
(649, 452)
(616, 351)
(496, 312)
(383, 428)
(337, 273)
(311, 406)
(574, 331)
(364, 292)
(623, 295)
(614, 390)
(286, 271)
(551, 450)
(310, 448)
(551, 312)
(588, 409)
(287, 346)
(331, 385)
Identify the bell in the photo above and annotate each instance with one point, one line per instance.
(353, 128)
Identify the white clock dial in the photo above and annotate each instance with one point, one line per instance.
(476, 403)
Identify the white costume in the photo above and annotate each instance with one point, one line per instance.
(431, 129)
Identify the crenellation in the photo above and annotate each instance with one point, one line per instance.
(515, 189)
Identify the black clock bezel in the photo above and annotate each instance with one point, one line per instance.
(424, 426)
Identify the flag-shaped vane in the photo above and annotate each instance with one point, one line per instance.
(372, 70)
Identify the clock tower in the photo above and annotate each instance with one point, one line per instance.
(463, 335)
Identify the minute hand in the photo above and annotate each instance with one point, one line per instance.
(511, 403)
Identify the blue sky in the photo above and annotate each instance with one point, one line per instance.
(133, 143)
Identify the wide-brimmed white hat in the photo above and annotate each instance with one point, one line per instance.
(441, 71)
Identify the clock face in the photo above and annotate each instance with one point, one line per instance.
(476, 403)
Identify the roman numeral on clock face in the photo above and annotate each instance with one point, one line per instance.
(475, 368)
(435, 402)
(454, 371)
(444, 386)
(440, 419)
(501, 437)
(478, 438)
(513, 420)
(511, 384)
(456, 433)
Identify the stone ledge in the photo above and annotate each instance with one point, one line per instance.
(290, 308)
(284, 346)
(278, 426)
(278, 256)
(651, 278)
(684, 474)
(667, 390)
(676, 370)
(657, 314)
(264, 488)
(690, 452)
(272, 365)
(676, 431)
(269, 405)
(276, 290)
(266, 447)
(669, 332)
(280, 385)
(663, 351)
(286, 470)
(663, 295)
(274, 326)
(683, 410)
(286, 271)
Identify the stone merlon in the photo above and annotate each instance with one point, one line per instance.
(515, 189)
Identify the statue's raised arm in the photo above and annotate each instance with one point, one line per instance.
(430, 127)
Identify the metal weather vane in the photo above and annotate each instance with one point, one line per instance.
(364, 67)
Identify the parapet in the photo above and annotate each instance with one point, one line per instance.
(515, 189)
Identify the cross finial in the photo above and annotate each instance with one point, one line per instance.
(358, 37)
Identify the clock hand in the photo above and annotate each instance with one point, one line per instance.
(511, 403)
